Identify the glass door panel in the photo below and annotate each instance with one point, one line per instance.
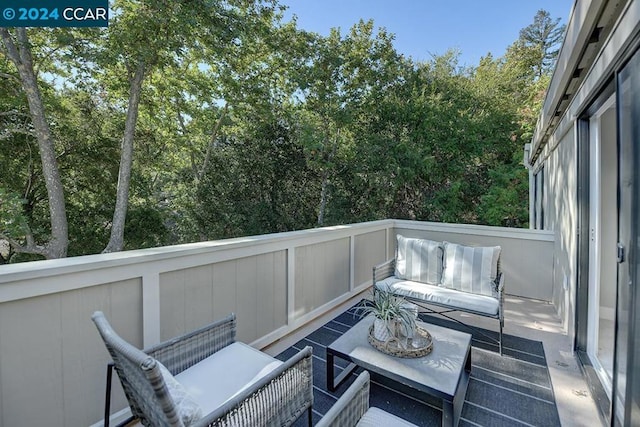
(603, 215)
(626, 386)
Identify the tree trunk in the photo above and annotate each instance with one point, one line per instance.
(324, 190)
(20, 55)
(116, 240)
(323, 199)
(212, 143)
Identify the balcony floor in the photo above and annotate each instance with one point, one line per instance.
(529, 319)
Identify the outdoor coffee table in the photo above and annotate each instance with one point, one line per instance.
(444, 373)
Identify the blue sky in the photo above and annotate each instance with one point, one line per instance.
(425, 27)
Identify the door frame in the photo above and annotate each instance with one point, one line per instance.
(583, 270)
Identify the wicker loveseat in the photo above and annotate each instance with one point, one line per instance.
(447, 275)
(206, 378)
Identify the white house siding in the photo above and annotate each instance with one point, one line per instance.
(255, 288)
(560, 211)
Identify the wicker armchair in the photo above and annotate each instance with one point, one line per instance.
(353, 409)
(274, 397)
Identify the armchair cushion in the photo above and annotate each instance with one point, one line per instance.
(471, 269)
(220, 377)
(376, 417)
(419, 260)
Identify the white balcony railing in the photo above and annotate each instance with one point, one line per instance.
(52, 362)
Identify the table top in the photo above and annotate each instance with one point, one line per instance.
(437, 373)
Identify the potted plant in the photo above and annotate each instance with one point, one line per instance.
(391, 315)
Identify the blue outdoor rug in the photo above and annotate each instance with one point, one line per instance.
(512, 390)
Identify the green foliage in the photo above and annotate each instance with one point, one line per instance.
(248, 125)
(256, 184)
(145, 228)
(12, 220)
(504, 204)
(388, 307)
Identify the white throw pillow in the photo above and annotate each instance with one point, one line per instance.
(419, 260)
(471, 269)
(188, 410)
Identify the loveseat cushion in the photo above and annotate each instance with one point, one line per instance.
(471, 269)
(224, 374)
(419, 260)
(439, 295)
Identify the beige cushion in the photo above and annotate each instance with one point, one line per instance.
(375, 417)
(223, 375)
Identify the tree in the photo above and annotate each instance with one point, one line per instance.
(18, 50)
(128, 50)
(229, 123)
(209, 32)
(545, 36)
(203, 104)
(518, 80)
(342, 77)
(258, 182)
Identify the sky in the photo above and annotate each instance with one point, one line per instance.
(423, 28)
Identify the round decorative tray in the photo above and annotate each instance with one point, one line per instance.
(419, 346)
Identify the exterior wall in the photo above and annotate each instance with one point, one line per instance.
(369, 246)
(51, 353)
(561, 212)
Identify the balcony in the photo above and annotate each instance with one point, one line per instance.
(281, 286)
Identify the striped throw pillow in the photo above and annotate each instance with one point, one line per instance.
(419, 260)
(471, 269)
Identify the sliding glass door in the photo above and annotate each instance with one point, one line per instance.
(626, 384)
(603, 226)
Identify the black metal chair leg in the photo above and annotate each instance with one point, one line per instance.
(107, 398)
(500, 338)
